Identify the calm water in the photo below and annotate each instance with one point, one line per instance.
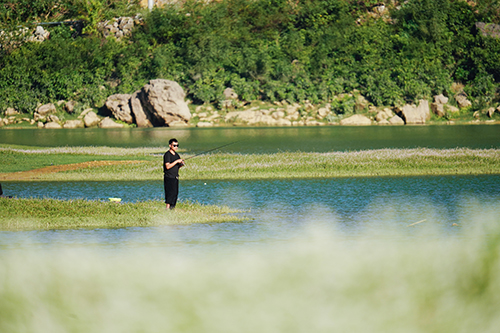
(280, 210)
(268, 140)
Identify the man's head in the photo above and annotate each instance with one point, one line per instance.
(173, 144)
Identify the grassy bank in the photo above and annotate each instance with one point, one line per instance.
(24, 163)
(36, 214)
(318, 283)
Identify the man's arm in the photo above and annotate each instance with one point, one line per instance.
(171, 165)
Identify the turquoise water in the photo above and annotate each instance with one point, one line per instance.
(279, 210)
(267, 140)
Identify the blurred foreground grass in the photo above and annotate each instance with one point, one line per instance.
(17, 161)
(24, 214)
(320, 282)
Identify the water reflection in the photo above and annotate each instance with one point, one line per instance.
(267, 140)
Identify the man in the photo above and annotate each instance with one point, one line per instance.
(171, 164)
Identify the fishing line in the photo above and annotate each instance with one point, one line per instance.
(207, 151)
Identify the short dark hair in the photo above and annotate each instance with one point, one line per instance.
(172, 140)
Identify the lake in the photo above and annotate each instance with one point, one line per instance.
(267, 140)
(280, 210)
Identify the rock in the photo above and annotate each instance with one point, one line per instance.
(91, 119)
(412, 114)
(384, 122)
(462, 101)
(283, 122)
(119, 106)
(46, 109)
(488, 29)
(39, 124)
(141, 118)
(74, 124)
(53, 118)
(52, 125)
(278, 115)
(477, 114)
(491, 111)
(323, 112)
(109, 123)
(440, 99)
(11, 112)
(204, 124)
(178, 123)
(229, 93)
(381, 115)
(314, 123)
(1, 122)
(498, 109)
(361, 102)
(164, 100)
(84, 113)
(396, 120)
(357, 119)
(438, 109)
(69, 107)
(452, 109)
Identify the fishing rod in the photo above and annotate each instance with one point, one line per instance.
(207, 151)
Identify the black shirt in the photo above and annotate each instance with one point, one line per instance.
(173, 172)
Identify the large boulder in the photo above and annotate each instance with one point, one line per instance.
(412, 114)
(119, 106)
(164, 100)
(52, 125)
(142, 119)
(357, 120)
(91, 119)
(11, 112)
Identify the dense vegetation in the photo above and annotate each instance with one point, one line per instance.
(264, 49)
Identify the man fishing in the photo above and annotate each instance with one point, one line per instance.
(171, 164)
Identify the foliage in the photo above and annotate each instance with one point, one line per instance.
(264, 49)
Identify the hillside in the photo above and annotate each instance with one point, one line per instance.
(390, 52)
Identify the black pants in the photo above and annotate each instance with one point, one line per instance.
(171, 186)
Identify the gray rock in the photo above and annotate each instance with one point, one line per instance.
(491, 111)
(77, 123)
(164, 100)
(462, 101)
(119, 106)
(40, 124)
(11, 112)
(204, 124)
(381, 115)
(229, 93)
(356, 120)
(91, 119)
(396, 120)
(53, 118)
(46, 109)
(412, 114)
(52, 125)
(384, 122)
(70, 106)
(109, 123)
(142, 119)
(440, 99)
(438, 109)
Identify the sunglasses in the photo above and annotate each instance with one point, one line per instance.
(175, 145)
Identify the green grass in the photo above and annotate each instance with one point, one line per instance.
(370, 163)
(25, 214)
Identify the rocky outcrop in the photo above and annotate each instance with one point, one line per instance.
(119, 106)
(356, 120)
(164, 101)
(10, 112)
(412, 114)
(440, 106)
